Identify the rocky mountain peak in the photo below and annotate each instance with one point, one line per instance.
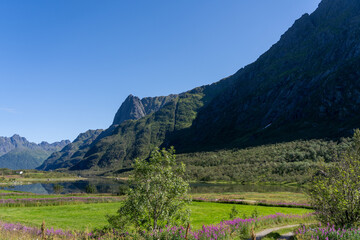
(131, 108)
(134, 108)
(17, 139)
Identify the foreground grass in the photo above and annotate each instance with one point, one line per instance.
(80, 217)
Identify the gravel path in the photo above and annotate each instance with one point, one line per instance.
(260, 235)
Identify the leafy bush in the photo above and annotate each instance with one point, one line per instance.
(90, 189)
(335, 190)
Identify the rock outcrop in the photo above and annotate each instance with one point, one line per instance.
(134, 108)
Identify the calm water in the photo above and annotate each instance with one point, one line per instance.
(110, 186)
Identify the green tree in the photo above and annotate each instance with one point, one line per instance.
(90, 188)
(159, 196)
(335, 189)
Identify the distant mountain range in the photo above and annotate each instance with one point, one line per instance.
(306, 86)
(18, 153)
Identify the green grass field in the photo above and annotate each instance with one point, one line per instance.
(80, 217)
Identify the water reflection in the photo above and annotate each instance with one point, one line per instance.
(110, 186)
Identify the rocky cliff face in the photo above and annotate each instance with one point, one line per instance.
(133, 108)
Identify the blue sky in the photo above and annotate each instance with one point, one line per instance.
(66, 66)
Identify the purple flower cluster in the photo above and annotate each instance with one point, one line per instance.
(32, 231)
(328, 232)
(217, 231)
(225, 228)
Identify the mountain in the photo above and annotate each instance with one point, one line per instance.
(18, 153)
(306, 86)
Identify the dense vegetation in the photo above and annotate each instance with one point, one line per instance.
(335, 191)
(283, 162)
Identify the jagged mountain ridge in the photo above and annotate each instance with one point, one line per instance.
(305, 86)
(17, 152)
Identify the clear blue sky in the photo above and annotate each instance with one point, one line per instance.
(66, 66)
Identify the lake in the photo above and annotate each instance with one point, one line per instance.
(112, 186)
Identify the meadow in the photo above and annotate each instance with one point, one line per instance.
(86, 212)
(82, 216)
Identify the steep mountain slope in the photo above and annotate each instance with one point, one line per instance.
(19, 153)
(305, 86)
